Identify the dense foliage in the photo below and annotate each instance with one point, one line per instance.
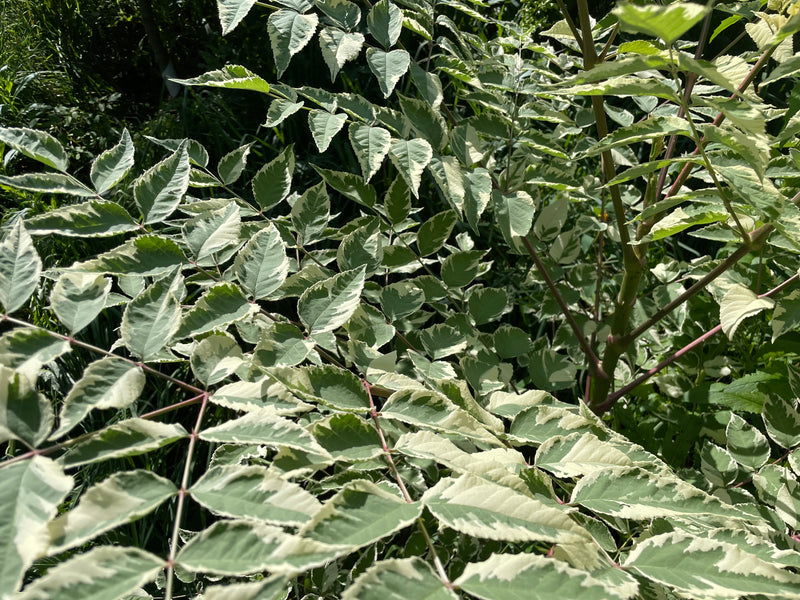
(501, 315)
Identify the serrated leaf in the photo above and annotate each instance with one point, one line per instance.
(106, 383)
(113, 164)
(709, 568)
(150, 320)
(231, 166)
(289, 32)
(385, 22)
(38, 145)
(126, 438)
(535, 577)
(737, 304)
(146, 255)
(665, 22)
(398, 579)
(47, 183)
(371, 145)
(350, 186)
(30, 493)
(219, 306)
(214, 358)
(26, 350)
(212, 231)
(261, 266)
(160, 189)
(361, 247)
(746, 443)
(263, 427)
(273, 588)
(77, 298)
(325, 384)
(324, 126)
(388, 67)
(89, 219)
(281, 109)
(121, 498)
(274, 180)
(254, 492)
(450, 178)
(786, 316)
(25, 414)
(434, 232)
(20, 267)
(284, 345)
(782, 420)
(328, 304)
(348, 437)
(338, 47)
(103, 573)
(428, 84)
(460, 268)
(230, 76)
(231, 13)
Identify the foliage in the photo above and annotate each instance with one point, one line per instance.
(376, 364)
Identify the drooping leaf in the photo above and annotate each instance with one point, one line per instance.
(324, 126)
(231, 13)
(737, 304)
(338, 47)
(388, 67)
(231, 166)
(145, 255)
(371, 145)
(310, 214)
(289, 32)
(274, 180)
(350, 186)
(30, 493)
(428, 84)
(450, 178)
(397, 201)
(113, 164)
(328, 304)
(47, 183)
(281, 109)
(233, 77)
(119, 499)
(362, 247)
(219, 306)
(35, 144)
(396, 579)
(20, 267)
(786, 316)
(103, 573)
(26, 349)
(106, 383)
(126, 438)
(25, 414)
(89, 219)
(782, 420)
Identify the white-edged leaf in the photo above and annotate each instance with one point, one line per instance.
(47, 183)
(410, 157)
(121, 498)
(338, 47)
(388, 67)
(88, 219)
(27, 349)
(665, 22)
(231, 13)
(274, 180)
(782, 420)
(30, 493)
(219, 306)
(231, 165)
(150, 320)
(113, 164)
(385, 22)
(325, 384)
(25, 414)
(233, 77)
(38, 145)
(324, 126)
(212, 231)
(273, 588)
(261, 266)
(289, 32)
(371, 145)
(20, 267)
(77, 298)
(398, 579)
(737, 304)
(160, 189)
(106, 383)
(343, 13)
(281, 109)
(310, 213)
(254, 492)
(428, 84)
(215, 357)
(328, 304)
(786, 316)
(145, 255)
(103, 573)
(746, 443)
(448, 175)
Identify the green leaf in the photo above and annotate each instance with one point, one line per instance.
(746, 443)
(623, 86)
(126, 438)
(325, 384)
(371, 145)
(385, 22)
(106, 383)
(280, 110)
(161, 188)
(360, 513)
(434, 232)
(25, 414)
(289, 32)
(388, 67)
(401, 299)
(261, 266)
(38, 145)
(324, 126)
(718, 465)
(514, 214)
(263, 427)
(30, 494)
(103, 573)
(428, 85)
(121, 498)
(782, 420)
(150, 320)
(310, 214)
(274, 180)
(26, 350)
(350, 186)
(653, 127)
(231, 166)
(487, 305)
(348, 437)
(787, 503)
(398, 579)
(535, 577)
(665, 22)
(425, 121)
(737, 304)
(786, 316)
(708, 568)
(338, 47)
(214, 358)
(361, 247)
(89, 219)
(231, 13)
(343, 13)
(77, 298)
(113, 164)
(254, 492)
(273, 588)
(747, 393)
(328, 304)
(450, 178)
(212, 231)
(219, 306)
(233, 77)
(284, 345)
(47, 183)
(460, 268)
(146, 255)
(20, 267)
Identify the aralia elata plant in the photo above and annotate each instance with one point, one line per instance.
(353, 354)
